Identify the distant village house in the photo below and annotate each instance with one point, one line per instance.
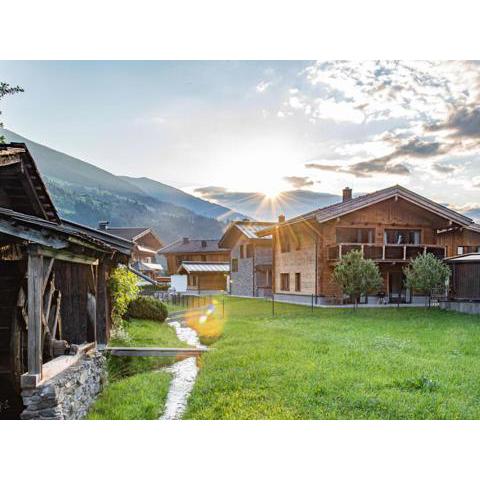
(250, 258)
(204, 263)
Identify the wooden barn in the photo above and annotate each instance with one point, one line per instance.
(54, 303)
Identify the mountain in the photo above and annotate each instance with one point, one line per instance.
(262, 207)
(166, 193)
(87, 194)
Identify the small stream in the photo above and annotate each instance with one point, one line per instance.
(184, 374)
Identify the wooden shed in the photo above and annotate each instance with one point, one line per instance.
(54, 273)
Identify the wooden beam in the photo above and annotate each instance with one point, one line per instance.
(68, 256)
(29, 234)
(35, 312)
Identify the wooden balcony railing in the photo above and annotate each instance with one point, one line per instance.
(385, 252)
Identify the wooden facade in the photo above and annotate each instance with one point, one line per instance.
(391, 227)
(53, 276)
(190, 250)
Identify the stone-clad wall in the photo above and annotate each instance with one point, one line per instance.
(242, 281)
(69, 395)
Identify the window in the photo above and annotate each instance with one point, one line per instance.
(204, 244)
(285, 282)
(467, 249)
(234, 264)
(298, 284)
(284, 243)
(193, 280)
(269, 278)
(402, 237)
(249, 251)
(355, 235)
(299, 241)
(242, 253)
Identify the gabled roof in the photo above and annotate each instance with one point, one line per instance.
(129, 233)
(186, 245)
(58, 235)
(249, 229)
(22, 188)
(191, 267)
(343, 208)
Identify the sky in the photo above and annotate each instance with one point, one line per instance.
(221, 130)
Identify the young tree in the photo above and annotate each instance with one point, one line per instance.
(357, 276)
(6, 89)
(427, 274)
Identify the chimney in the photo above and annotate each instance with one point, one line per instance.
(347, 194)
(281, 218)
(185, 240)
(103, 225)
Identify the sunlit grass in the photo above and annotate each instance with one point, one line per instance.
(335, 364)
(138, 397)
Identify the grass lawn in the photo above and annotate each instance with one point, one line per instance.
(408, 363)
(136, 389)
(139, 397)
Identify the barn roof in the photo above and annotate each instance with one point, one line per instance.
(21, 186)
(187, 245)
(339, 209)
(473, 257)
(190, 267)
(249, 229)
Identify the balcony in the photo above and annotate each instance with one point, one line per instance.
(380, 252)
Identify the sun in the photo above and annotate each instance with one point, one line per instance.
(271, 192)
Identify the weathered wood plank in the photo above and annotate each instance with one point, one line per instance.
(35, 313)
(155, 351)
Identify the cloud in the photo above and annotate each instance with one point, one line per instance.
(299, 182)
(464, 122)
(365, 169)
(263, 86)
(443, 168)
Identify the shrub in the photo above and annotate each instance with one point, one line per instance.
(123, 289)
(357, 276)
(427, 274)
(147, 308)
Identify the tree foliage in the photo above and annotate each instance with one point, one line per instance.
(427, 274)
(7, 89)
(357, 276)
(124, 289)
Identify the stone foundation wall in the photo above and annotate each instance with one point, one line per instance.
(69, 395)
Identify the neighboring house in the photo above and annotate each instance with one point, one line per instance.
(389, 226)
(205, 277)
(250, 258)
(54, 298)
(186, 249)
(146, 245)
(203, 261)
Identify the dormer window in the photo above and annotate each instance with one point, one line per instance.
(204, 244)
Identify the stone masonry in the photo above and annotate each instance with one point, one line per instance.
(68, 395)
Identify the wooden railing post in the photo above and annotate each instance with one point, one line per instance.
(340, 251)
(35, 307)
(363, 250)
(383, 252)
(405, 252)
